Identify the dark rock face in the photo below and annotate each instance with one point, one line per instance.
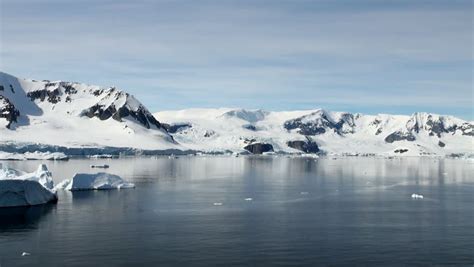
(52, 92)
(320, 124)
(8, 111)
(432, 126)
(209, 133)
(250, 127)
(441, 144)
(307, 146)
(379, 131)
(176, 127)
(436, 126)
(249, 141)
(52, 96)
(399, 136)
(401, 151)
(259, 148)
(141, 115)
(100, 112)
(467, 129)
(104, 112)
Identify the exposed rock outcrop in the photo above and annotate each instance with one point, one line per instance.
(8, 111)
(320, 122)
(399, 136)
(176, 127)
(307, 146)
(259, 148)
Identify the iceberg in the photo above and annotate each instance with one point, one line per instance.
(9, 173)
(416, 196)
(20, 189)
(98, 181)
(42, 175)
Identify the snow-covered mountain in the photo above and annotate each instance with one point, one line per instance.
(66, 116)
(319, 131)
(76, 115)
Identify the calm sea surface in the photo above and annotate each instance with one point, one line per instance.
(352, 211)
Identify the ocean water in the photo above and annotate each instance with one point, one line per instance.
(349, 211)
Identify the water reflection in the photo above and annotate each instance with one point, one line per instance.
(15, 218)
(303, 212)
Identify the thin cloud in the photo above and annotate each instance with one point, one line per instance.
(251, 53)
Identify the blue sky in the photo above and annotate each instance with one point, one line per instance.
(359, 56)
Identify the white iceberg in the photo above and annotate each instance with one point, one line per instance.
(416, 196)
(20, 189)
(42, 175)
(9, 173)
(98, 181)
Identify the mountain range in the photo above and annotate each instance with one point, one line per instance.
(72, 117)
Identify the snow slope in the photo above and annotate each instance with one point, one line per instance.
(320, 131)
(76, 115)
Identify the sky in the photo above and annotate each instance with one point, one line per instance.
(367, 56)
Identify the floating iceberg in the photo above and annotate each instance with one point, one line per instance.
(42, 175)
(416, 196)
(9, 173)
(98, 181)
(20, 189)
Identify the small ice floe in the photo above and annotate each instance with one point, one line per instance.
(217, 204)
(100, 166)
(101, 156)
(304, 193)
(98, 181)
(249, 199)
(25, 254)
(172, 157)
(309, 156)
(416, 196)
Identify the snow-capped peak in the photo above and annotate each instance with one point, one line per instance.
(76, 114)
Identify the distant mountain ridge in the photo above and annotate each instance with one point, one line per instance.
(321, 131)
(68, 116)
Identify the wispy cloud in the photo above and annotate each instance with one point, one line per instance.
(366, 55)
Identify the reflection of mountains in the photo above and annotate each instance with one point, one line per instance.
(23, 218)
(414, 170)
